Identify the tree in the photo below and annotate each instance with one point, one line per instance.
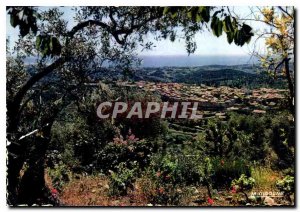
(279, 36)
(281, 48)
(69, 58)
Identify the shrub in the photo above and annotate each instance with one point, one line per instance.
(59, 175)
(243, 184)
(226, 170)
(180, 168)
(286, 185)
(121, 180)
(282, 139)
(124, 150)
(170, 174)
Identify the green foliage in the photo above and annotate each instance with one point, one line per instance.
(121, 179)
(220, 21)
(59, 175)
(286, 185)
(243, 183)
(216, 26)
(282, 139)
(171, 173)
(24, 17)
(48, 45)
(243, 136)
(177, 168)
(239, 33)
(124, 151)
(225, 170)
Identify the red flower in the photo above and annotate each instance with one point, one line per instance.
(233, 190)
(158, 174)
(54, 191)
(210, 200)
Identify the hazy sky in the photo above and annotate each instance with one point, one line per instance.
(207, 43)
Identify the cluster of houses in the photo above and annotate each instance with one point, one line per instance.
(216, 101)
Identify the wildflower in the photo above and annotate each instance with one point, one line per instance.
(167, 177)
(54, 191)
(233, 190)
(131, 137)
(222, 162)
(210, 200)
(158, 174)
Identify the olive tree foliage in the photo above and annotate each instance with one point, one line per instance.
(279, 37)
(280, 41)
(68, 57)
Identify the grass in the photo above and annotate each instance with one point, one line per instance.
(265, 178)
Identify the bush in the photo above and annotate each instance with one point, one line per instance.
(59, 175)
(170, 175)
(226, 170)
(282, 139)
(176, 168)
(122, 179)
(242, 185)
(286, 185)
(128, 150)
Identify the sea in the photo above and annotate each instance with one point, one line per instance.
(196, 60)
(187, 60)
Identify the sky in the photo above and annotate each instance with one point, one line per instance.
(207, 43)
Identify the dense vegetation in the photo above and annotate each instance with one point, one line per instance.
(171, 162)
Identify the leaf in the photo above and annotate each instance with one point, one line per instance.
(166, 10)
(230, 36)
(220, 28)
(247, 29)
(217, 26)
(213, 23)
(247, 40)
(194, 14)
(205, 13)
(38, 42)
(237, 37)
(13, 21)
(227, 25)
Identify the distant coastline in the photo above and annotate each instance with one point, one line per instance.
(195, 60)
(156, 61)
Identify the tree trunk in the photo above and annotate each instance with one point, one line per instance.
(32, 185)
(15, 161)
(290, 85)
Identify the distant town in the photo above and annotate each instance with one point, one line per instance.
(215, 101)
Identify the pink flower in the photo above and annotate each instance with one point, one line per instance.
(132, 137)
(167, 177)
(158, 174)
(233, 190)
(210, 200)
